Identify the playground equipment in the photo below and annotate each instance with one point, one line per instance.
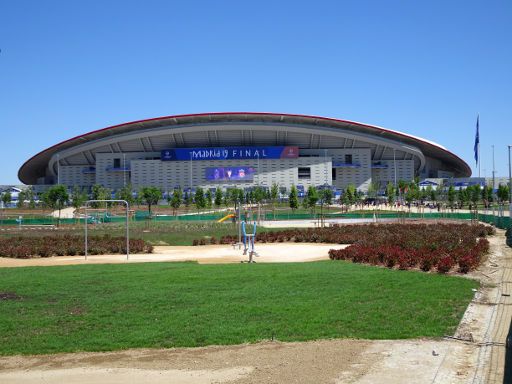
(248, 241)
(225, 218)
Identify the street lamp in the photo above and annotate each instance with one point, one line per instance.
(191, 171)
(124, 170)
(58, 168)
(509, 186)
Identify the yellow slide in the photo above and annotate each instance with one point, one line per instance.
(226, 217)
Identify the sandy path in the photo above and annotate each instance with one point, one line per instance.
(268, 253)
(327, 361)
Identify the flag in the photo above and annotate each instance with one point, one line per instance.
(477, 139)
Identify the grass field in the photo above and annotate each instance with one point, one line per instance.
(111, 307)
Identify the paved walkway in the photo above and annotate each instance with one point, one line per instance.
(493, 359)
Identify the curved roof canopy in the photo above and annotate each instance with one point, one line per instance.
(36, 166)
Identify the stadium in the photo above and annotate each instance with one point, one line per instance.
(213, 150)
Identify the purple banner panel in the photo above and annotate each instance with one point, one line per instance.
(229, 173)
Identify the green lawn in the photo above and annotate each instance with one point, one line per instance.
(111, 307)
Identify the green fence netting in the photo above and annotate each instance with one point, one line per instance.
(498, 221)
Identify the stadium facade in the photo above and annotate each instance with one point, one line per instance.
(240, 149)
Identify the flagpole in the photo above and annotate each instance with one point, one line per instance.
(476, 148)
(479, 162)
(479, 157)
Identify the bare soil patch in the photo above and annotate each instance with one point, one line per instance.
(9, 296)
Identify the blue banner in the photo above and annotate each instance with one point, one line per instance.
(230, 153)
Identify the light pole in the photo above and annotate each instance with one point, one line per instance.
(258, 167)
(509, 186)
(396, 186)
(326, 168)
(493, 182)
(58, 168)
(191, 171)
(124, 170)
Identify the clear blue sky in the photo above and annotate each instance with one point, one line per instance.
(425, 68)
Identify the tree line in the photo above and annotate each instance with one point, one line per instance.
(58, 197)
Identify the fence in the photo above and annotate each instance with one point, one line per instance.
(499, 222)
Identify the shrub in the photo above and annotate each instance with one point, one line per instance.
(445, 264)
(46, 246)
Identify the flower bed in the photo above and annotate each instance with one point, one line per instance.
(427, 247)
(24, 247)
(440, 247)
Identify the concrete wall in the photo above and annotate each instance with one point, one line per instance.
(168, 175)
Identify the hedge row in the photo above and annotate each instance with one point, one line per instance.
(425, 246)
(22, 247)
(425, 258)
(448, 236)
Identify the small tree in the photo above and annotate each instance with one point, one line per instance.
(56, 197)
(402, 187)
(188, 198)
(208, 199)
(311, 198)
(326, 196)
(293, 198)
(150, 195)
(199, 199)
(234, 195)
(21, 200)
(274, 195)
(6, 198)
(451, 196)
(427, 192)
(125, 193)
(462, 197)
(175, 201)
(78, 197)
(373, 188)
(487, 195)
(350, 196)
(390, 193)
(502, 193)
(475, 194)
(30, 196)
(258, 194)
(218, 198)
(98, 192)
(433, 194)
(411, 192)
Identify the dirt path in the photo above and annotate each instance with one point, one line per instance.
(475, 355)
(268, 253)
(327, 361)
